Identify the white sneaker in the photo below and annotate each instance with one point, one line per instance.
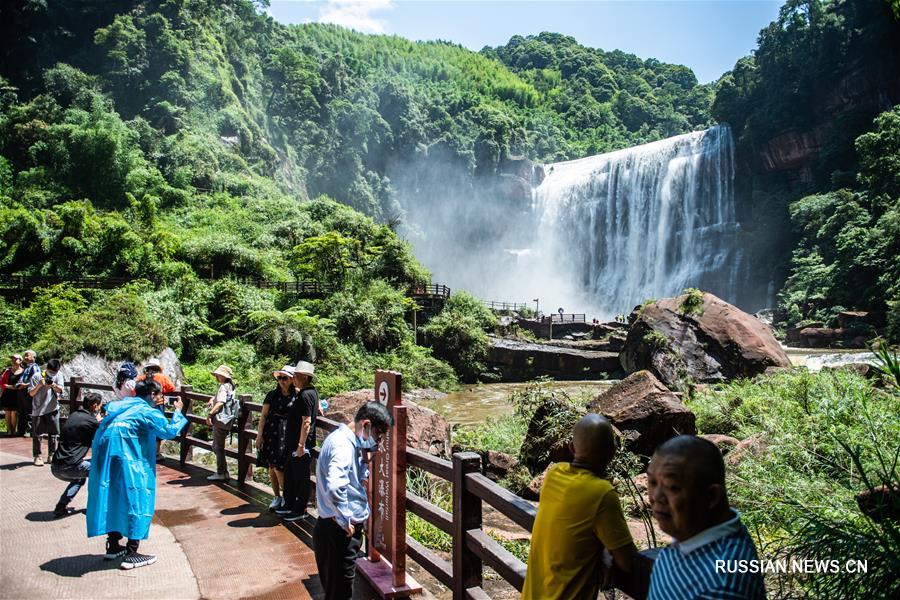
(277, 502)
(38, 461)
(216, 477)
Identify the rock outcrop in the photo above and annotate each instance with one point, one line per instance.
(752, 446)
(96, 369)
(701, 339)
(548, 435)
(645, 411)
(426, 430)
(518, 360)
(725, 443)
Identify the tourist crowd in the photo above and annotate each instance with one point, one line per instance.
(580, 540)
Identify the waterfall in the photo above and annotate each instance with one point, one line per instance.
(644, 222)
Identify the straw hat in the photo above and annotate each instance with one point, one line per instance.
(304, 368)
(153, 362)
(285, 370)
(224, 371)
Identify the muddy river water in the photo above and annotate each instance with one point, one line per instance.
(472, 404)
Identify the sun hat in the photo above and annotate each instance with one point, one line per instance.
(285, 370)
(153, 362)
(224, 371)
(304, 368)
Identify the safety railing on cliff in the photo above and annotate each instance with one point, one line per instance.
(506, 306)
(301, 289)
(431, 290)
(564, 318)
(473, 548)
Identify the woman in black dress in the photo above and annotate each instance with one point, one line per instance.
(270, 447)
(10, 392)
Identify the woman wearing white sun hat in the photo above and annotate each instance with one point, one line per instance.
(223, 409)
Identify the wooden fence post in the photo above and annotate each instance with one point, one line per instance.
(243, 442)
(74, 393)
(466, 516)
(185, 445)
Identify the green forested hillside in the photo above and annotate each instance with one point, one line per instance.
(607, 100)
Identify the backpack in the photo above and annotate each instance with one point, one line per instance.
(225, 417)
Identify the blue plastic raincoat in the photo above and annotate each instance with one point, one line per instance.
(122, 485)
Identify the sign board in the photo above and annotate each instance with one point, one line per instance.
(387, 391)
(385, 566)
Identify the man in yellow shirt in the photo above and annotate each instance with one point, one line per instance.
(578, 516)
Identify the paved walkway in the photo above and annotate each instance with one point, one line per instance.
(212, 542)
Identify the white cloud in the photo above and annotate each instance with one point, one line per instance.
(355, 14)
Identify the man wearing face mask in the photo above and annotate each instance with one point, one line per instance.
(341, 496)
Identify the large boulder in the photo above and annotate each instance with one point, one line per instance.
(426, 430)
(518, 360)
(699, 337)
(548, 436)
(645, 411)
(96, 369)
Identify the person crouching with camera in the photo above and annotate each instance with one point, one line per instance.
(45, 389)
(69, 462)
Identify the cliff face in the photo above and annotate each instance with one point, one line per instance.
(856, 98)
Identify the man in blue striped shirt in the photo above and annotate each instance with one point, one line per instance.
(341, 498)
(712, 554)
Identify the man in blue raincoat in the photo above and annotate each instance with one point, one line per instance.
(122, 485)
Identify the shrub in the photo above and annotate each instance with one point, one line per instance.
(52, 308)
(502, 434)
(805, 421)
(691, 302)
(118, 325)
(372, 314)
(457, 334)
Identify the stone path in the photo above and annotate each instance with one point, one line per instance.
(212, 541)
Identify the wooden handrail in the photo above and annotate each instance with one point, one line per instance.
(519, 510)
(435, 515)
(434, 465)
(497, 557)
(296, 287)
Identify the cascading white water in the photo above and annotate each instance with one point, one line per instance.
(644, 222)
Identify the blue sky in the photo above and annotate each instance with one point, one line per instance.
(706, 35)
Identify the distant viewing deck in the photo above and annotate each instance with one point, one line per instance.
(298, 288)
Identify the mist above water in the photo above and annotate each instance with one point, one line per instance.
(597, 235)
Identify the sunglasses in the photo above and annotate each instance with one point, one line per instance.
(283, 378)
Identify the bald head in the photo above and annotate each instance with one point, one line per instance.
(594, 441)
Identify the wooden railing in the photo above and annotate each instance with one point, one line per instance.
(302, 289)
(506, 306)
(564, 318)
(473, 548)
(431, 290)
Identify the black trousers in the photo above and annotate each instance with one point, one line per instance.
(297, 484)
(114, 537)
(336, 555)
